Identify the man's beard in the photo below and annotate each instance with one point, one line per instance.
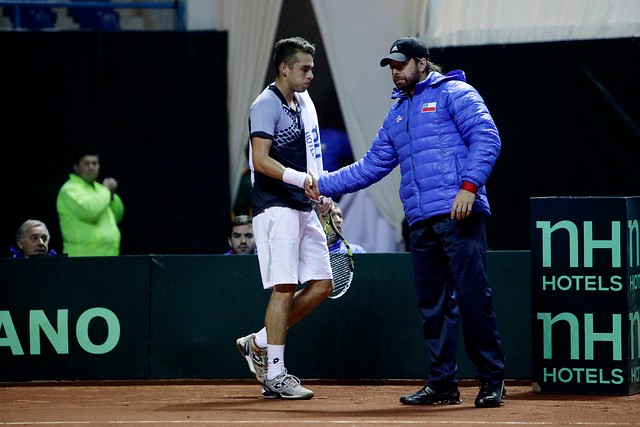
(410, 83)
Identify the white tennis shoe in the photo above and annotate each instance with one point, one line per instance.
(255, 356)
(285, 386)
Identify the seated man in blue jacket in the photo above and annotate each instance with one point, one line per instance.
(32, 239)
(335, 244)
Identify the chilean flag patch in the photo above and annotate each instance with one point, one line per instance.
(429, 107)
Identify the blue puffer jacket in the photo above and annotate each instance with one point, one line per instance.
(440, 138)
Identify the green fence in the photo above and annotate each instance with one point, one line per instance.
(177, 317)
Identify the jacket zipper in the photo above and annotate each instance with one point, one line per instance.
(413, 167)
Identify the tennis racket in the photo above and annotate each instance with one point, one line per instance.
(341, 264)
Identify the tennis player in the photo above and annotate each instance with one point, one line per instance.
(285, 147)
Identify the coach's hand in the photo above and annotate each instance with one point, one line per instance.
(462, 205)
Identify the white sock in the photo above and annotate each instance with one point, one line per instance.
(276, 360)
(261, 338)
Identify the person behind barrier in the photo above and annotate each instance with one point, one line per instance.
(32, 239)
(241, 239)
(336, 149)
(335, 244)
(89, 211)
(440, 133)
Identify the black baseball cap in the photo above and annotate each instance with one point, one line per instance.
(405, 48)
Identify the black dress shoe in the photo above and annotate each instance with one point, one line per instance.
(490, 395)
(429, 395)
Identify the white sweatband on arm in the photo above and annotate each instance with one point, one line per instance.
(294, 177)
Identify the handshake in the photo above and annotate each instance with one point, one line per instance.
(311, 188)
(309, 183)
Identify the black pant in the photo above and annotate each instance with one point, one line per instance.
(450, 276)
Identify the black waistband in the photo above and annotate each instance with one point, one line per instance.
(429, 221)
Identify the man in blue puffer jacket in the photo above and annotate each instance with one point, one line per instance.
(441, 134)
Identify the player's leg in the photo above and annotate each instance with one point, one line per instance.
(314, 268)
(284, 231)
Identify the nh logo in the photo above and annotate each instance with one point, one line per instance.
(590, 336)
(614, 244)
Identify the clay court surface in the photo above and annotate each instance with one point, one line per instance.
(239, 403)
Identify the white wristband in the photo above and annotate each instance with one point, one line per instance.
(294, 177)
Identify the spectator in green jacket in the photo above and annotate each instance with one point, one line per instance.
(89, 212)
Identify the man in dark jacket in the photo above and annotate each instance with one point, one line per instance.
(441, 134)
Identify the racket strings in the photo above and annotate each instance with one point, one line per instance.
(341, 264)
(342, 272)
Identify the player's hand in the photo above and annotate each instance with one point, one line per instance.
(325, 206)
(315, 188)
(462, 205)
(308, 187)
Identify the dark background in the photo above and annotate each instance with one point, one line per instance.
(568, 117)
(154, 103)
(567, 113)
(154, 106)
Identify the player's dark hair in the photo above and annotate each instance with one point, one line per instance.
(286, 51)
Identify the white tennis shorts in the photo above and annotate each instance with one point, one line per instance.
(292, 247)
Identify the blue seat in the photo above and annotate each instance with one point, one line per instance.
(31, 17)
(102, 18)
